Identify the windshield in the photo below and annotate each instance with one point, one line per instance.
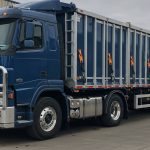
(7, 27)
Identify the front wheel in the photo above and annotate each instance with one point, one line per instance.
(47, 119)
(115, 111)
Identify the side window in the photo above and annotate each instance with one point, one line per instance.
(52, 38)
(37, 36)
(38, 43)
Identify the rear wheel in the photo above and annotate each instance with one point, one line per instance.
(47, 119)
(115, 110)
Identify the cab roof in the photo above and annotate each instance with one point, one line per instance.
(21, 13)
(49, 6)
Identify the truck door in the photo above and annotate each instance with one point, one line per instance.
(30, 60)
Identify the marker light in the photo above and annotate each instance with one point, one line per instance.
(11, 95)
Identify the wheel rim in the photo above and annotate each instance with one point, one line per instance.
(115, 110)
(48, 118)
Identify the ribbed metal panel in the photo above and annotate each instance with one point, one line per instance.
(121, 49)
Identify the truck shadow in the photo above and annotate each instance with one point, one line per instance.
(95, 124)
(19, 136)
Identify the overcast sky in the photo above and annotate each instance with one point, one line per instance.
(135, 11)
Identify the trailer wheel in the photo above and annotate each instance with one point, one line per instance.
(47, 119)
(115, 111)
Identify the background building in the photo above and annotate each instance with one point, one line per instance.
(4, 3)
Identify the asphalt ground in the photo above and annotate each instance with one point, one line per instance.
(132, 134)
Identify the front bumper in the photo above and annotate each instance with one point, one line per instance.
(7, 114)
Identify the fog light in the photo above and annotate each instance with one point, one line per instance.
(5, 14)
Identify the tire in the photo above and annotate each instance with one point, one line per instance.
(47, 119)
(115, 111)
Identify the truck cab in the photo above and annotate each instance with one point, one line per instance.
(30, 65)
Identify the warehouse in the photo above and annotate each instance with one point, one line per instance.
(4, 3)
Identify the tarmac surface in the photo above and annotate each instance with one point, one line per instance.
(132, 134)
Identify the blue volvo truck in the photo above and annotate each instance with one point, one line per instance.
(59, 63)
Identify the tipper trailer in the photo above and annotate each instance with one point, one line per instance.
(60, 63)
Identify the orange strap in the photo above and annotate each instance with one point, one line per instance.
(109, 59)
(148, 63)
(131, 61)
(80, 56)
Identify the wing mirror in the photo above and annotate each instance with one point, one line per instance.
(29, 43)
(29, 35)
(29, 30)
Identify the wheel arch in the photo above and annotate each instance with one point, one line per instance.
(58, 95)
(122, 95)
